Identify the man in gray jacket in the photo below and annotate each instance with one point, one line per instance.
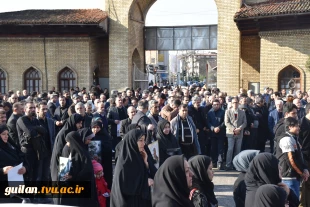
(235, 121)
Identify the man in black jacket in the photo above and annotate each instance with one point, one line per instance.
(143, 121)
(61, 114)
(131, 111)
(289, 110)
(31, 139)
(18, 111)
(115, 115)
(199, 118)
(261, 112)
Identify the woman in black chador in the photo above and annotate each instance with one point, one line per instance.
(264, 169)
(172, 183)
(202, 193)
(10, 156)
(167, 142)
(130, 184)
(81, 169)
(269, 196)
(73, 123)
(241, 163)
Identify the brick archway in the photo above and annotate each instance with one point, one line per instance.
(126, 34)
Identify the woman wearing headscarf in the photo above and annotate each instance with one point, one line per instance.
(131, 177)
(119, 146)
(81, 169)
(269, 196)
(241, 163)
(172, 183)
(73, 123)
(86, 136)
(106, 149)
(202, 193)
(264, 169)
(10, 156)
(130, 184)
(167, 142)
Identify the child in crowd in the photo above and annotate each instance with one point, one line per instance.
(102, 187)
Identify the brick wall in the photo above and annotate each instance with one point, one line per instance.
(280, 49)
(250, 60)
(228, 58)
(19, 54)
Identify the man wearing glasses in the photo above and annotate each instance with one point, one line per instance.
(215, 121)
(235, 121)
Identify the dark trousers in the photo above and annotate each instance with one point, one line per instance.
(31, 158)
(43, 172)
(217, 149)
(203, 141)
(115, 141)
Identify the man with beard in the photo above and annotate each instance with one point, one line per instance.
(43, 167)
(300, 110)
(154, 117)
(18, 111)
(52, 104)
(31, 139)
(216, 125)
(198, 115)
(131, 111)
(261, 112)
(80, 109)
(115, 115)
(61, 114)
(183, 128)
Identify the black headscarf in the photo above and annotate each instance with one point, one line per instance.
(81, 167)
(199, 165)
(243, 159)
(242, 163)
(170, 184)
(85, 133)
(96, 123)
(130, 177)
(10, 156)
(60, 142)
(269, 196)
(263, 170)
(165, 142)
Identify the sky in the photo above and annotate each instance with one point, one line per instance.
(162, 13)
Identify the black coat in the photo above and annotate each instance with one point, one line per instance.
(11, 125)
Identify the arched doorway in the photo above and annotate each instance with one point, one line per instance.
(32, 80)
(67, 79)
(290, 78)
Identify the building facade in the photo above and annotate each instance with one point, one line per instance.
(41, 49)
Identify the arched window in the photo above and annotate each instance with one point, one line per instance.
(2, 81)
(67, 79)
(32, 80)
(289, 78)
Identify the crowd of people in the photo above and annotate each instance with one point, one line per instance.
(196, 130)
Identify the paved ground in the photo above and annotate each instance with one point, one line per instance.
(224, 182)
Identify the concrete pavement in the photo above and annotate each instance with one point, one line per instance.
(223, 187)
